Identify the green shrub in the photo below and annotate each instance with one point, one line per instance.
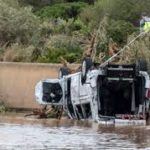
(120, 30)
(77, 25)
(61, 46)
(37, 4)
(3, 107)
(129, 10)
(93, 15)
(52, 55)
(55, 55)
(61, 26)
(17, 24)
(62, 10)
(73, 57)
(59, 30)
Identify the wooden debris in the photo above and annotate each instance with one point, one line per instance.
(66, 64)
(44, 112)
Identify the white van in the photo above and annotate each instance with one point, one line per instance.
(113, 94)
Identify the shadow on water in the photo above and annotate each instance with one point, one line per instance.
(21, 133)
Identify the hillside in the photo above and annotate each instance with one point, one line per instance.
(49, 30)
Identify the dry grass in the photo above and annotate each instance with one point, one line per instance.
(90, 44)
(138, 49)
(17, 53)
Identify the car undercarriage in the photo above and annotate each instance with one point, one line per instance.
(104, 94)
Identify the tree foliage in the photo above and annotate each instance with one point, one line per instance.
(46, 30)
(62, 10)
(16, 24)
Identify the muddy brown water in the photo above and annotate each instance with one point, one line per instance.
(19, 133)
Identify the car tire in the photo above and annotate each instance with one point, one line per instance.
(86, 65)
(63, 71)
(142, 65)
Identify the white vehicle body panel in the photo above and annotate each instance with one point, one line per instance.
(87, 94)
(80, 93)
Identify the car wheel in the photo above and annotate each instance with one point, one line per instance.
(86, 65)
(63, 71)
(142, 64)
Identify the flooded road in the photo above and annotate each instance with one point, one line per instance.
(17, 133)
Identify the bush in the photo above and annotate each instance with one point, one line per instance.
(62, 10)
(37, 4)
(52, 55)
(17, 24)
(58, 30)
(61, 46)
(77, 25)
(61, 26)
(3, 107)
(129, 10)
(66, 42)
(139, 49)
(18, 53)
(55, 55)
(119, 30)
(93, 15)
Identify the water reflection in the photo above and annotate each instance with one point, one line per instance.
(23, 134)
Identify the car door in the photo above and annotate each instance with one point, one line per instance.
(80, 93)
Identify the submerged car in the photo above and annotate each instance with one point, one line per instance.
(110, 94)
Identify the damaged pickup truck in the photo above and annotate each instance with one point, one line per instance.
(110, 94)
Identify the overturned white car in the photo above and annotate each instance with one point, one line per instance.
(113, 94)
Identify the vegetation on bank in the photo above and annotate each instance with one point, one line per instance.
(3, 107)
(47, 30)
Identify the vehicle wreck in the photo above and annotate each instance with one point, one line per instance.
(110, 94)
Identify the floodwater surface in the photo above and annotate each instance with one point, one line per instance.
(32, 134)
